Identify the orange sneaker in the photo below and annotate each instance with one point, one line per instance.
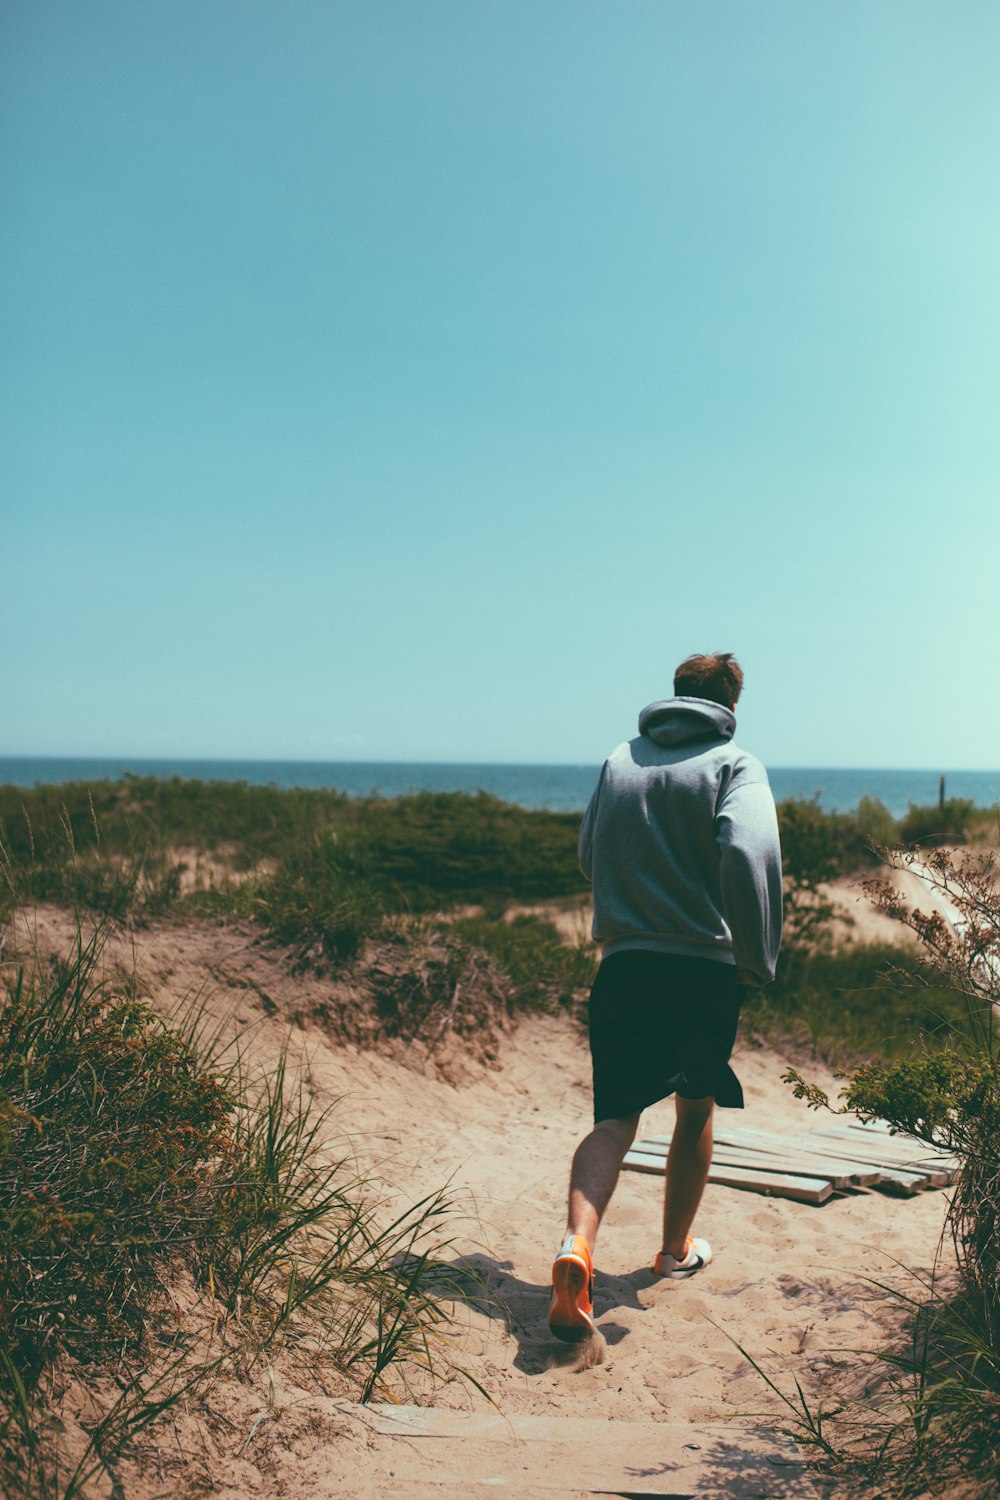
(571, 1316)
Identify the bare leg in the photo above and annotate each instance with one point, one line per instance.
(687, 1170)
(594, 1174)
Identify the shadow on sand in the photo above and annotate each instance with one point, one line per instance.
(491, 1288)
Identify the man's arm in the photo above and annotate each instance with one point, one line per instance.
(746, 831)
(585, 847)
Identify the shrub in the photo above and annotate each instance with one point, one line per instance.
(443, 848)
(316, 904)
(102, 846)
(955, 1102)
(876, 826)
(547, 973)
(108, 1126)
(949, 1097)
(865, 1000)
(947, 824)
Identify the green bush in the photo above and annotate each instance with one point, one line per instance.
(858, 1001)
(49, 822)
(547, 973)
(318, 905)
(108, 1127)
(944, 1089)
(103, 846)
(447, 848)
(939, 825)
(876, 827)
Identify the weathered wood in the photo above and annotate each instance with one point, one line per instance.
(880, 1130)
(894, 1178)
(741, 1156)
(809, 1155)
(938, 1171)
(867, 1165)
(801, 1187)
(906, 1146)
(798, 1152)
(802, 1150)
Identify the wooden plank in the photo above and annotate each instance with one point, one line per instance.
(796, 1153)
(902, 1182)
(903, 1149)
(801, 1151)
(906, 1179)
(802, 1189)
(898, 1140)
(936, 1171)
(740, 1156)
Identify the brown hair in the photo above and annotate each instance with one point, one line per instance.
(718, 677)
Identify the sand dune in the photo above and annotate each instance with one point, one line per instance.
(790, 1283)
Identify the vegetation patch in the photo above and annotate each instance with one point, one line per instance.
(130, 1162)
(937, 1419)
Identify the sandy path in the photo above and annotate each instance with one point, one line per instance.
(787, 1282)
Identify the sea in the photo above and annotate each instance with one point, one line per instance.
(559, 788)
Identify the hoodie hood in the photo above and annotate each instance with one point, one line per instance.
(675, 721)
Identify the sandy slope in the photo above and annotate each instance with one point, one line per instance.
(788, 1283)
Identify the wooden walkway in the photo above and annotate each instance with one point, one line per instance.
(810, 1166)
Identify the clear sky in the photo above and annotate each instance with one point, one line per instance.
(421, 379)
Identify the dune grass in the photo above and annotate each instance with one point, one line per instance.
(933, 1421)
(129, 1157)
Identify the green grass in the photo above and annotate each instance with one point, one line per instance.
(547, 973)
(859, 1003)
(127, 1156)
(116, 849)
(934, 1422)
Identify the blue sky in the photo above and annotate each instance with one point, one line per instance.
(423, 380)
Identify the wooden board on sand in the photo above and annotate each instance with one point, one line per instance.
(797, 1153)
(810, 1165)
(802, 1188)
(871, 1167)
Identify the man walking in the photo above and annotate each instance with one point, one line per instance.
(680, 842)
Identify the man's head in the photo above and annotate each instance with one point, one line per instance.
(718, 677)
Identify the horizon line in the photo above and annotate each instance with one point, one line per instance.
(297, 760)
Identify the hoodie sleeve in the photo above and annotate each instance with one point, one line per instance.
(746, 831)
(585, 847)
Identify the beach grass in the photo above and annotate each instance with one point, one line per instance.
(931, 1420)
(134, 1159)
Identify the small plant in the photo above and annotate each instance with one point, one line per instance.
(865, 1000)
(547, 973)
(108, 1128)
(317, 905)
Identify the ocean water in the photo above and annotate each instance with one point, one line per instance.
(559, 788)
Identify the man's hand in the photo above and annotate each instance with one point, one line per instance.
(745, 977)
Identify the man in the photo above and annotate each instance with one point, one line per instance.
(680, 842)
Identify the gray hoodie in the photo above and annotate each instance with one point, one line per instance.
(681, 842)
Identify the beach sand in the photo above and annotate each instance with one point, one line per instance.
(791, 1283)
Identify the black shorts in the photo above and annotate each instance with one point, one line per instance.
(660, 1023)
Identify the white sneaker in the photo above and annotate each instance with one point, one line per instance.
(697, 1255)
